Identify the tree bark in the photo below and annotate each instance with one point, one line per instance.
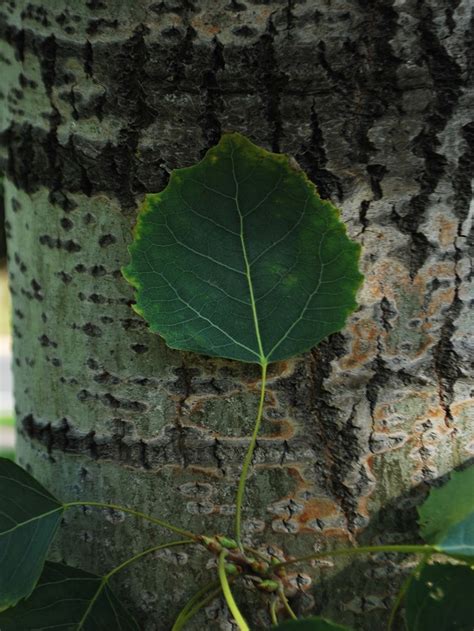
(374, 100)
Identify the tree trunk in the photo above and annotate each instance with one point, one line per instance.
(373, 98)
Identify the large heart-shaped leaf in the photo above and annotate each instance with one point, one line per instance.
(441, 599)
(240, 258)
(29, 517)
(67, 599)
(447, 516)
(310, 624)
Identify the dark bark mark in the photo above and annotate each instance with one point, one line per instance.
(447, 83)
(372, 77)
(446, 360)
(180, 57)
(462, 177)
(174, 446)
(184, 386)
(88, 59)
(273, 82)
(290, 18)
(130, 81)
(382, 375)
(212, 97)
(339, 437)
(29, 167)
(47, 56)
(376, 174)
(314, 161)
(180, 8)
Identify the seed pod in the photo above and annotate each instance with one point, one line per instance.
(225, 542)
(211, 544)
(231, 569)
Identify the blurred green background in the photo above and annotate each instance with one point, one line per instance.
(6, 420)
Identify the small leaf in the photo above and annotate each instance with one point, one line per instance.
(240, 258)
(447, 516)
(310, 624)
(68, 599)
(29, 518)
(441, 599)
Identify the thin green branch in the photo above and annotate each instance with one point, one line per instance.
(248, 460)
(401, 549)
(403, 590)
(197, 602)
(118, 568)
(273, 613)
(130, 511)
(139, 555)
(286, 604)
(239, 619)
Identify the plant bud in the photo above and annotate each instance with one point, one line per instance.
(225, 542)
(269, 586)
(231, 569)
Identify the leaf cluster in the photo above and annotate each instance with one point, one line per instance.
(237, 258)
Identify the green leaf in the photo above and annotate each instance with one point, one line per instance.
(310, 624)
(29, 518)
(447, 516)
(68, 599)
(441, 599)
(240, 258)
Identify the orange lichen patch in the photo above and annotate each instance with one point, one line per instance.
(463, 409)
(270, 398)
(363, 505)
(342, 536)
(384, 274)
(317, 509)
(447, 230)
(281, 369)
(201, 472)
(440, 269)
(364, 343)
(263, 14)
(421, 405)
(435, 411)
(205, 27)
(381, 413)
(440, 299)
(297, 474)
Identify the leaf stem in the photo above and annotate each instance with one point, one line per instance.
(248, 459)
(194, 604)
(136, 557)
(130, 511)
(139, 555)
(286, 604)
(243, 626)
(402, 549)
(273, 613)
(403, 590)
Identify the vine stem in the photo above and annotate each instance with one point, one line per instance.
(235, 611)
(130, 511)
(194, 604)
(401, 549)
(273, 613)
(286, 604)
(248, 459)
(118, 568)
(403, 590)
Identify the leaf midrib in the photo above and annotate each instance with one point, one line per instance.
(262, 357)
(29, 521)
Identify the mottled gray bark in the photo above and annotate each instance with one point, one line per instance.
(374, 99)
